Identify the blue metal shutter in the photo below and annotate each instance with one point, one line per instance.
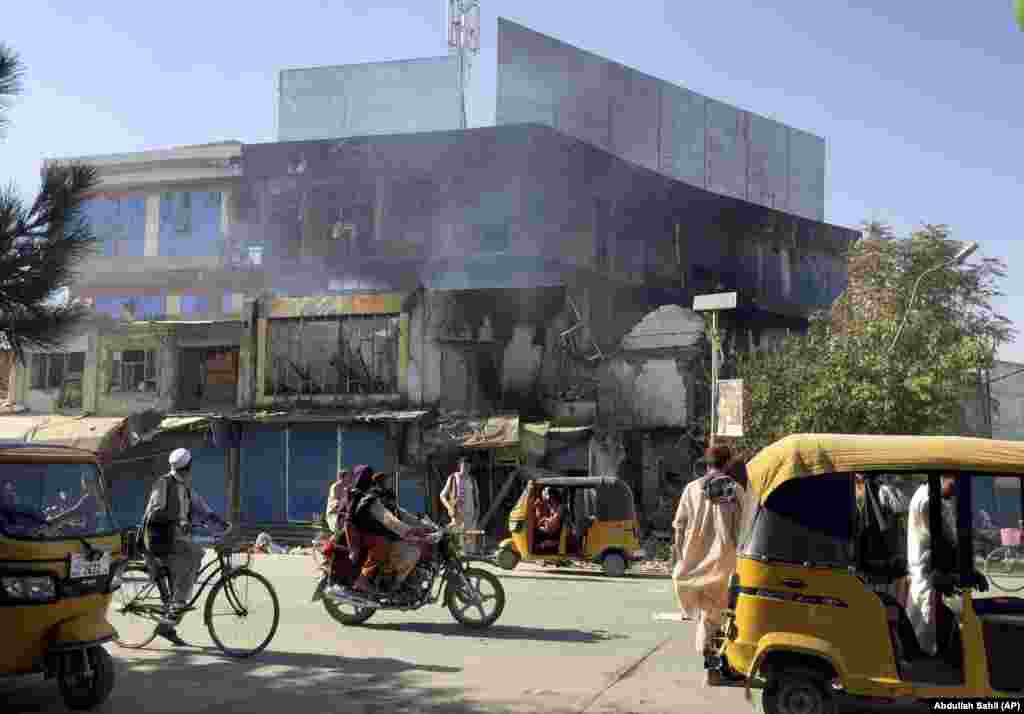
(312, 466)
(262, 470)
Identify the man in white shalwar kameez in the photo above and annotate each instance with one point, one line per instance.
(707, 525)
(924, 600)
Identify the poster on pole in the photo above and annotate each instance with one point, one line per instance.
(730, 407)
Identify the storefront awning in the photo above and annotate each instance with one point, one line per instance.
(101, 435)
(334, 417)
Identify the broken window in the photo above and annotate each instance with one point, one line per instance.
(133, 371)
(50, 370)
(352, 354)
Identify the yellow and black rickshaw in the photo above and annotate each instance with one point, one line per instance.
(809, 618)
(599, 524)
(60, 555)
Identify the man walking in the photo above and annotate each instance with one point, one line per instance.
(460, 497)
(707, 524)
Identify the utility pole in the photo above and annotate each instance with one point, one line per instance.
(463, 40)
(714, 303)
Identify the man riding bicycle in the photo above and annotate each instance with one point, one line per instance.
(173, 508)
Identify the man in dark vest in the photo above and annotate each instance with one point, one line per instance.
(378, 517)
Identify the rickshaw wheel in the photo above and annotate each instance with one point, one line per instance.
(797, 692)
(508, 559)
(81, 692)
(614, 565)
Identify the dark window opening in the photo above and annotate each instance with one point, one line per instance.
(50, 370)
(133, 371)
(354, 354)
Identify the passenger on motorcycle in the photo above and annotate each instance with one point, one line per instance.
(385, 529)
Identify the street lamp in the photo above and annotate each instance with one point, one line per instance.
(714, 303)
(957, 259)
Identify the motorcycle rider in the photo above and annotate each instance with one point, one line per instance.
(386, 534)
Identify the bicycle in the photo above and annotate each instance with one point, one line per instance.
(145, 600)
(1007, 561)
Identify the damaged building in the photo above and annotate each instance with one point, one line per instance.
(518, 292)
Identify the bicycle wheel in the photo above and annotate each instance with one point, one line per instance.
(135, 608)
(242, 613)
(1003, 569)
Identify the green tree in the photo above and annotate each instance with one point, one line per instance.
(40, 243)
(842, 377)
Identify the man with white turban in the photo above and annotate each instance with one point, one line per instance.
(173, 508)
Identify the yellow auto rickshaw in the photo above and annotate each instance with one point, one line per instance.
(60, 556)
(811, 618)
(598, 524)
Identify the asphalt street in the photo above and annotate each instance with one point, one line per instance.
(568, 641)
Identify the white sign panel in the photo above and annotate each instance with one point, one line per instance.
(714, 301)
(730, 407)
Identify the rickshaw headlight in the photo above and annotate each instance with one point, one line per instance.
(29, 588)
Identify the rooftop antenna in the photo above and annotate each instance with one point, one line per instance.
(464, 41)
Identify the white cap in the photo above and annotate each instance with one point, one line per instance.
(180, 458)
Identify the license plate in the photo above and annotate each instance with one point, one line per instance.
(83, 568)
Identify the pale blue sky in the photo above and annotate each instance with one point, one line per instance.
(921, 103)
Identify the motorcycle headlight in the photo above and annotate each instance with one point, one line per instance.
(29, 588)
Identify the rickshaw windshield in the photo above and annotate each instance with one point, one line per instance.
(804, 521)
(47, 501)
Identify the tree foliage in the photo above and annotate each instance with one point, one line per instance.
(40, 243)
(842, 377)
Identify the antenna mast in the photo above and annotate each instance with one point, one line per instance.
(464, 40)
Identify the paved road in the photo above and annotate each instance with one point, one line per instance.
(569, 641)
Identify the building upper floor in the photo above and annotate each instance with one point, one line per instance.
(192, 232)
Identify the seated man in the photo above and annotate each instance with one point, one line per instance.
(549, 522)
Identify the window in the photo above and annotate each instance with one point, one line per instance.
(805, 521)
(183, 213)
(50, 370)
(354, 354)
(133, 371)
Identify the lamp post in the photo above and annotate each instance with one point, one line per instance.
(957, 259)
(714, 303)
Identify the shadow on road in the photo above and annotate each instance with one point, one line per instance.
(499, 632)
(197, 681)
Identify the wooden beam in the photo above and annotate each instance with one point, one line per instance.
(512, 478)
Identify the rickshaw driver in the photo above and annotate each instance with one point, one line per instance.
(181, 556)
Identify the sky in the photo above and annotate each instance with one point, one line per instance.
(921, 104)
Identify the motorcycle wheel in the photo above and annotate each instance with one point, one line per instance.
(348, 615)
(458, 607)
(81, 692)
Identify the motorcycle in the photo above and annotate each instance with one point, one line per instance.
(442, 574)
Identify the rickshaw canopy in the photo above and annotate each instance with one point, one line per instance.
(30, 452)
(802, 455)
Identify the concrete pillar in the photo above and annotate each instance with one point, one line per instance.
(650, 476)
(248, 355)
(152, 235)
(232, 481)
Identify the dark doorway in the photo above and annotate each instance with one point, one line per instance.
(209, 379)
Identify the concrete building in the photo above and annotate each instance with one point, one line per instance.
(164, 223)
(658, 125)
(401, 96)
(517, 291)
